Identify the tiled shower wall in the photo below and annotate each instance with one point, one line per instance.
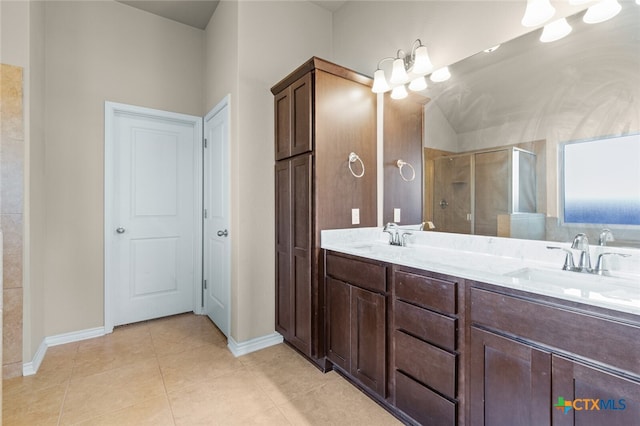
(11, 197)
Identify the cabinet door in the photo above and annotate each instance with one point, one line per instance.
(301, 115)
(510, 382)
(368, 343)
(301, 252)
(282, 108)
(293, 118)
(284, 307)
(592, 397)
(339, 323)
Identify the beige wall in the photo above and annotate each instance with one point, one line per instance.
(35, 184)
(250, 46)
(274, 38)
(97, 51)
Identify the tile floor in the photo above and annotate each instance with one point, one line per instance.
(178, 371)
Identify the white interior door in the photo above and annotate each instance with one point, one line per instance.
(217, 246)
(152, 213)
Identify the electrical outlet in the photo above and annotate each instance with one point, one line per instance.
(355, 216)
(396, 215)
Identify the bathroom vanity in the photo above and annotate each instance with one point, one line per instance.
(489, 344)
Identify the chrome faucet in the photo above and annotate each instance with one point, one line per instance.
(395, 238)
(392, 229)
(605, 236)
(581, 242)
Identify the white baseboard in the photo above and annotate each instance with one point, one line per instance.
(248, 346)
(31, 368)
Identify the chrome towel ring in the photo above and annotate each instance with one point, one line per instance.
(400, 165)
(353, 157)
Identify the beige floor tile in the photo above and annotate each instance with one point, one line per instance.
(123, 347)
(232, 397)
(272, 354)
(152, 412)
(184, 332)
(39, 407)
(199, 364)
(112, 390)
(271, 417)
(336, 403)
(288, 377)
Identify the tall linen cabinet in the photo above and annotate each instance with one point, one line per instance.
(323, 113)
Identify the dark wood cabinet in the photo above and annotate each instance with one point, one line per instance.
(529, 356)
(356, 320)
(596, 396)
(293, 251)
(323, 112)
(510, 382)
(403, 121)
(293, 126)
(425, 341)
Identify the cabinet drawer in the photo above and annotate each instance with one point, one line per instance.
(426, 363)
(427, 325)
(432, 293)
(422, 404)
(362, 274)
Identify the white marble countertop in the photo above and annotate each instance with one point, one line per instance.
(517, 264)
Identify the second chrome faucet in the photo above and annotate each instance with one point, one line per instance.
(581, 242)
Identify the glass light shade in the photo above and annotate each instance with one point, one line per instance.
(418, 84)
(399, 73)
(441, 74)
(399, 92)
(380, 84)
(555, 31)
(421, 63)
(538, 12)
(601, 11)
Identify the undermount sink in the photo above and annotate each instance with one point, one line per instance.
(590, 282)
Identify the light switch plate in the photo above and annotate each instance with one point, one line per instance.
(355, 216)
(396, 215)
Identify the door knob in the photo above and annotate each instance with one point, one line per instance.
(120, 230)
(223, 233)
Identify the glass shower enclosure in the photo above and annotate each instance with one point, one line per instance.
(474, 193)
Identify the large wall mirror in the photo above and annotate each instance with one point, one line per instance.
(495, 134)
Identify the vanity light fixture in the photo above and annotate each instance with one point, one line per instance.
(537, 12)
(407, 68)
(601, 11)
(555, 30)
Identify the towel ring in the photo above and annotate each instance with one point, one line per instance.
(353, 157)
(400, 165)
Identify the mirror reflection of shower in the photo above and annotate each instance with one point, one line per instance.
(491, 193)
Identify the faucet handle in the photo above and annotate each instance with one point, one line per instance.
(404, 238)
(600, 263)
(569, 265)
(605, 236)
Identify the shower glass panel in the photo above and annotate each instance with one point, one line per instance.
(452, 194)
(493, 187)
(472, 190)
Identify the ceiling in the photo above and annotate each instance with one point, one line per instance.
(197, 13)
